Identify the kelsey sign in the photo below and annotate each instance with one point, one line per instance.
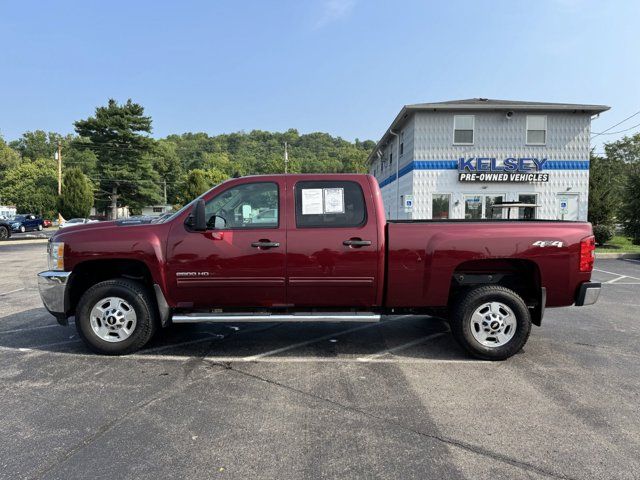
(486, 169)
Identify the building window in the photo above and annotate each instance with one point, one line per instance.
(390, 159)
(527, 213)
(158, 209)
(401, 143)
(536, 129)
(440, 205)
(463, 126)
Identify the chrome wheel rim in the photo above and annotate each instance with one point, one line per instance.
(493, 324)
(113, 319)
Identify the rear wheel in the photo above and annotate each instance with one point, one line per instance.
(4, 232)
(491, 322)
(116, 317)
(40, 227)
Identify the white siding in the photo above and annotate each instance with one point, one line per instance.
(429, 136)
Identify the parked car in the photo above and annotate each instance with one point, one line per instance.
(46, 223)
(327, 254)
(5, 230)
(26, 222)
(72, 222)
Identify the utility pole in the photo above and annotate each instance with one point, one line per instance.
(59, 158)
(164, 182)
(286, 157)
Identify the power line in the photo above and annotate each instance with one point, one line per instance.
(613, 126)
(620, 131)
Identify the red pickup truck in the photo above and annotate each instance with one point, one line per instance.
(298, 248)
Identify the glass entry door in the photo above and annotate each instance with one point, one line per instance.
(477, 207)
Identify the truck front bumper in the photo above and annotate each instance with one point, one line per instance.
(588, 294)
(54, 292)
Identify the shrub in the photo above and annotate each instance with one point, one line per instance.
(603, 233)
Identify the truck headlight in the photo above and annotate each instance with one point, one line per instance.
(56, 256)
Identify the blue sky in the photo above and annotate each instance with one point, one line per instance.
(341, 66)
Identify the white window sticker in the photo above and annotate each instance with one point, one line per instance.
(334, 200)
(312, 201)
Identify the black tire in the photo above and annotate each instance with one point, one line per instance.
(137, 296)
(461, 324)
(4, 233)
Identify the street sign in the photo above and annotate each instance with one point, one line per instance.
(408, 203)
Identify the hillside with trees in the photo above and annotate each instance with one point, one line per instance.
(125, 166)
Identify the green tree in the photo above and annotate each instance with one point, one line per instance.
(38, 144)
(31, 187)
(117, 136)
(606, 184)
(167, 164)
(77, 194)
(627, 150)
(80, 157)
(9, 158)
(197, 181)
(194, 184)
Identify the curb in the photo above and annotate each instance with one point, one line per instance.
(17, 241)
(605, 255)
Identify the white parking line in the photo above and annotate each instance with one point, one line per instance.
(632, 260)
(319, 339)
(11, 291)
(47, 345)
(399, 348)
(616, 279)
(231, 359)
(31, 328)
(614, 273)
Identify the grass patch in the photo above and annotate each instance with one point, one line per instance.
(619, 244)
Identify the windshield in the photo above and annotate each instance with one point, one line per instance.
(19, 218)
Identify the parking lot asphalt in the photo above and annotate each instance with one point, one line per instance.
(397, 399)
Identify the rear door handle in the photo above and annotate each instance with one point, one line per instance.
(265, 244)
(356, 242)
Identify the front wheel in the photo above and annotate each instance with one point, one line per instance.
(116, 317)
(4, 233)
(491, 322)
(22, 229)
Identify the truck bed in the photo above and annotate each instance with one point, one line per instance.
(424, 255)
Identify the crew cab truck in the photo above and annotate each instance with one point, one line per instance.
(299, 248)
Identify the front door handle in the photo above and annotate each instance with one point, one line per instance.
(265, 244)
(356, 242)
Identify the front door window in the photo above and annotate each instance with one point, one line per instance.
(250, 205)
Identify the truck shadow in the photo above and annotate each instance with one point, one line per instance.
(395, 339)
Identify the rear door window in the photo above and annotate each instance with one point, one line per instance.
(329, 204)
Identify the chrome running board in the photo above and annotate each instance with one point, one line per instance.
(266, 317)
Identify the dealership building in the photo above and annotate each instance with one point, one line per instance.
(458, 159)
